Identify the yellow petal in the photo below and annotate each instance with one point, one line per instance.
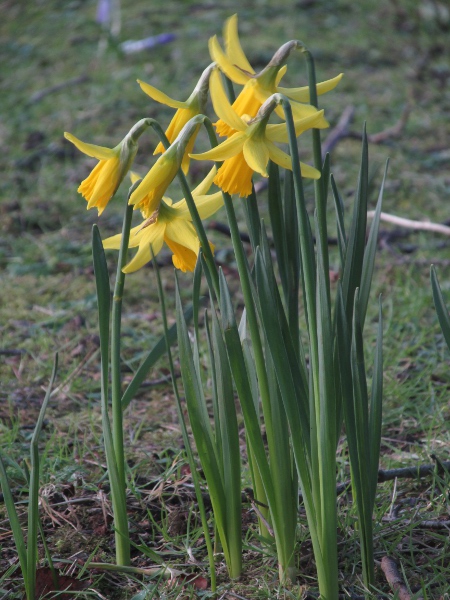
(281, 73)
(134, 176)
(278, 156)
(233, 46)
(183, 233)
(189, 147)
(279, 133)
(163, 171)
(301, 94)
(153, 236)
(203, 186)
(226, 149)
(113, 242)
(284, 160)
(221, 104)
(256, 156)
(208, 205)
(99, 152)
(160, 96)
(230, 70)
(309, 172)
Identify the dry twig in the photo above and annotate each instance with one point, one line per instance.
(394, 578)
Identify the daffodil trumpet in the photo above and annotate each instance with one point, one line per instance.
(194, 105)
(102, 183)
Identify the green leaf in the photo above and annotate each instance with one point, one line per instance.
(33, 503)
(351, 277)
(376, 400)
(14, 521)
(340, 223)
(369, 254)
(439, 303)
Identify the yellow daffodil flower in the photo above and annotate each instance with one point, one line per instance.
(147, 196)
(194, 105)
(173, 226)
(102, 183)
(251, 147)
(259, 87)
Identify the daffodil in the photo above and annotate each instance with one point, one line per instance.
(102, 183)
(259, 87)
(172, 226)
(149, 193)
(251, 147)
(194, 105)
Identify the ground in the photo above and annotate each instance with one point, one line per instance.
(62, 72)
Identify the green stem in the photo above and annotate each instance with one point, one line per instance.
(319, 184)
(121, 536)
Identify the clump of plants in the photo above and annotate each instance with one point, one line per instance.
(295, 356)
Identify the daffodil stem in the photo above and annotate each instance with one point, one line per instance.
(319, 184)
(122, 537)
(196, 220)
(321, 518)
(187, 444)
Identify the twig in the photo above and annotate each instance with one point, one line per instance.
(339, 132)
(394, 578)
(410, 224)
(390, 132)
(37, 96)
(429, 524)
(411, 472)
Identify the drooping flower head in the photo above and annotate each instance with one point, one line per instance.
(259, 87)
(102, 183)
(148, 195)
(194, 105)
(172, 225)
(249, 149)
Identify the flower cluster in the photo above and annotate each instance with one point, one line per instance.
(249, 145)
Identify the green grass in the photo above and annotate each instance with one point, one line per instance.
(391, 53)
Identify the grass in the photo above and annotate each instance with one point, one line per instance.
(391, 54)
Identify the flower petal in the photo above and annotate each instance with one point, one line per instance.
(284, 160)
(203, 186)
(99, 152)
(227, 149)
(233, 46)
(160, 96)
(221, 104)
(256, 155)
(208, 205)
(279, 133)
(225, 64)
(301, 94)
(183, 233)
(153, 236)
(163, 171)
(281, 73)
(113, 242)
